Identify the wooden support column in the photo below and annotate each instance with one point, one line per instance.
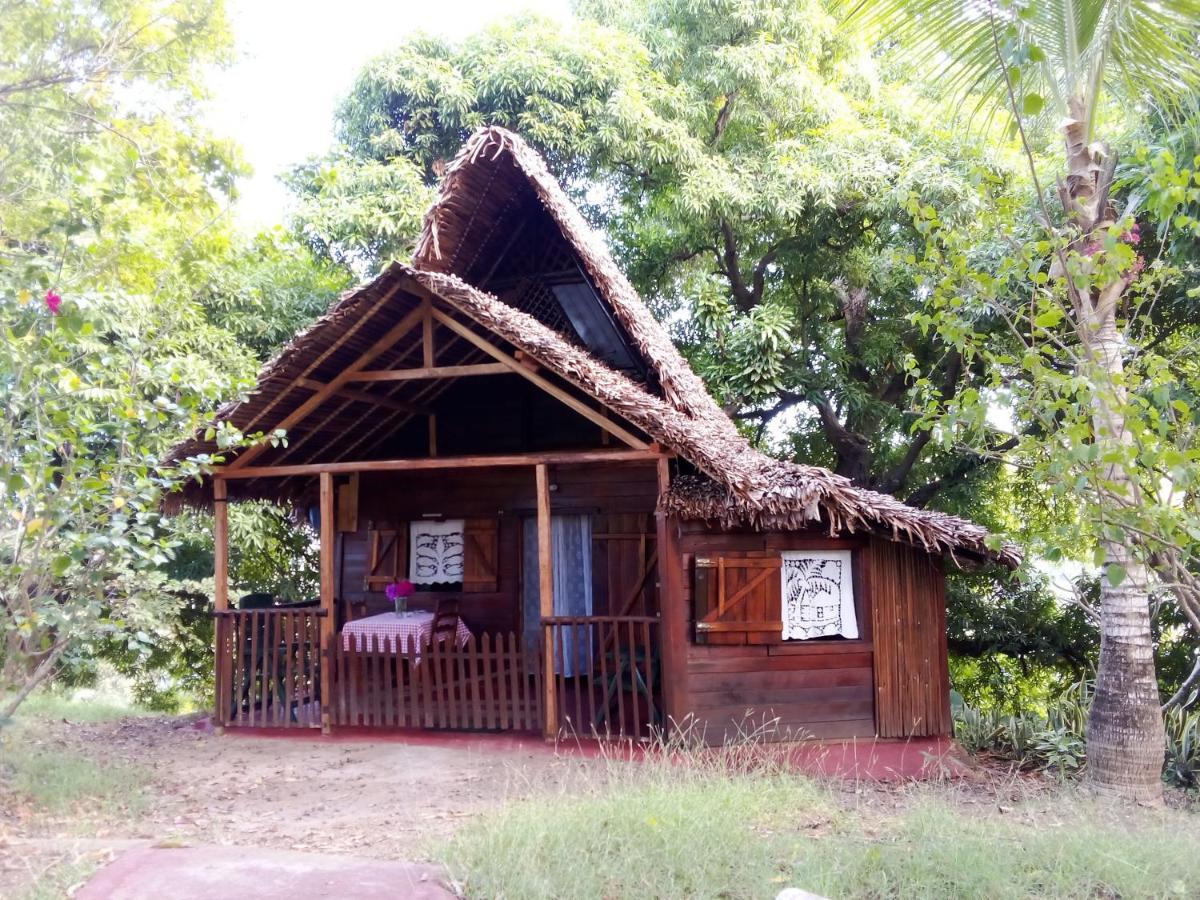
(221, 657)
(328, 525)
(546, 598)
(673, 614)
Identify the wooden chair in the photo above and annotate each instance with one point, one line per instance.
(445, 622)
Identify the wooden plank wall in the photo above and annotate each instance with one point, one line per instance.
(815, 690)
(912, 680)
(619, 497)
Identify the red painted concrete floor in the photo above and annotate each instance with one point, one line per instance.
(208, 873)
(862, 759)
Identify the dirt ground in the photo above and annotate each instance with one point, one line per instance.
(378, 799)
(355, 796)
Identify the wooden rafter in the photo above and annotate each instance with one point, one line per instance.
(347, 393)
(397, 331)
(419, 399)
(312, 366)
(427, 349)
(384, 425)
(430, 372)
(545, 384)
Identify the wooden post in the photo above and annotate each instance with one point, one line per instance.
(673, 626)
(327, 599)
(546, 598)
(222, 659)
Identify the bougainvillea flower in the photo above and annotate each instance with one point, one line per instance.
(399, 589)
(53, 302)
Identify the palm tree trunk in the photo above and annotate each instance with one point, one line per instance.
(1125, 739)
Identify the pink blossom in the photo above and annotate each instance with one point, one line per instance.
(1091, 248)
(1133, 235)
(399, 589)
(53, 302)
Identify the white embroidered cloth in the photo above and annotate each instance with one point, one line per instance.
(435, 552)
(392, 630)
(818, 594)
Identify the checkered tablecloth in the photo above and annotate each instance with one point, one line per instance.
(391, 630)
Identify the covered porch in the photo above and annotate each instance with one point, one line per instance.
(460, 659)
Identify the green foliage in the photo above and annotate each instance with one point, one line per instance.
(1049, 51)
(265, 290)
(108, 207)
(1183, 747)
(1055, 740)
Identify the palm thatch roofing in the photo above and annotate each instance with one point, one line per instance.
(486, 200)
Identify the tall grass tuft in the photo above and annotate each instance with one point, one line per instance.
(681, 820)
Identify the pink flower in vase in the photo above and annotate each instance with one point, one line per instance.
(399, 592)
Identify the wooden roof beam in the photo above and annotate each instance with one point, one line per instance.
(389, 339)
(426, 372)
(555, 458)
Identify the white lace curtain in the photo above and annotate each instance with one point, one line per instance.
(571, 547)
(818, 595)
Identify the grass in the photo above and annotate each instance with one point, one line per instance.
(37, 771)
(56, 782)
(701, 827)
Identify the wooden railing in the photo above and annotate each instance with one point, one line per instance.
(489, 683)
(268, 667)
(606, 677)
(607, 674)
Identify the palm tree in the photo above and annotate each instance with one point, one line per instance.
(1063, 58)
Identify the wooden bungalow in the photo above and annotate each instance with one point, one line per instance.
(594, 548)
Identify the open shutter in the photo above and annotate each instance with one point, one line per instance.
(480, 554)
(738, 599)
(387, 559)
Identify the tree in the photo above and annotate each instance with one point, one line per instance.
(105, 209)
(1062, 60)
(751, 168)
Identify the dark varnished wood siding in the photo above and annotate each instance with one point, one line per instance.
(912, 681)
(819, 689)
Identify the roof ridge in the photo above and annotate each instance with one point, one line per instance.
(681, 385)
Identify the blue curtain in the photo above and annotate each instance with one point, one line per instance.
(571, 545)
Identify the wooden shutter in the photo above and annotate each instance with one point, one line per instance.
(387, 557)
(481, 546)
(738, 598)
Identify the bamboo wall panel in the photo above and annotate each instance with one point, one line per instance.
(912, 684)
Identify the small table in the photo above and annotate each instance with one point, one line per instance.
(391, 631)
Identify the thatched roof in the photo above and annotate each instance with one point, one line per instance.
(743, 486)
(470, 226)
